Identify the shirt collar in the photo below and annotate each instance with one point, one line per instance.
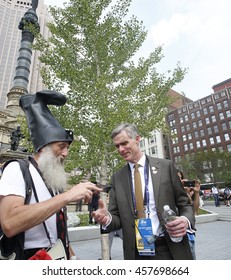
(141, 162)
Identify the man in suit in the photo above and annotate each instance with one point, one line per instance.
(161, 186)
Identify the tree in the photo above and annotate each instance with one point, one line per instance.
(209, 165)
(90, 52)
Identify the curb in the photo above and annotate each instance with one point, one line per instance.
(83, 233)
(93, 232)
(206, 218)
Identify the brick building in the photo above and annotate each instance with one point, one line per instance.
(157, 144)
(201, 125)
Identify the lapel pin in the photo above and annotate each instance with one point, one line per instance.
(154, 171)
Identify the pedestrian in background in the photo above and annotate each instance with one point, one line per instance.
(227, 195)
(215, 193)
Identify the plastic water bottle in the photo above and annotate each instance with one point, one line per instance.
(168, 216)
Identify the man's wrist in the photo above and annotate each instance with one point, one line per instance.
(109, 219)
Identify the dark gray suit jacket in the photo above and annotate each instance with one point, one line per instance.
(167, 190)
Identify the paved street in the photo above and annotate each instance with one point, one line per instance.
(211, 239)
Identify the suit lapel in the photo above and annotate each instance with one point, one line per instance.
(155, 170)
(126, 181)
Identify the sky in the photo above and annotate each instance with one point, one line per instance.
(195, 33)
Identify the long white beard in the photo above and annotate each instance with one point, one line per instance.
(52, 170)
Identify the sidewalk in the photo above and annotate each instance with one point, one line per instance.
(211, 241)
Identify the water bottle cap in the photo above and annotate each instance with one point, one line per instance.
(166, 207)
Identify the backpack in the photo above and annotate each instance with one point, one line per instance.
(227, 191)
(12, 248)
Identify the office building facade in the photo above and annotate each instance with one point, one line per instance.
(157, 144)
(11, 12)
(201, 125)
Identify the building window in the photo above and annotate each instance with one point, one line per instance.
(221, 116)
(182, 128)
(209, 99)
(215, 128)
(171, 117)
(224, 126)
(218, 139)
(152, 150)
(191, 146)
(207, 120)
(211, 109)
(229, 124)
(194, 125)
(175, 140)
(204, 143)
(223, 94)
(213, 119)
(198, 144)
(225, 104)
(228, 114)
(152, 139)
(176, 149)
(219, 107)
(209, 130)
(193, 115)
(174, 131)
(196, 134)
(186, 118)
(202, 102)
(184, 137)
(200, 123)
(216, 96)
(226, 136)
(172, 123)
(202, 133)
(187, 127)
(181, 120)
(142, 143)
(185, 147)
(189, 136)
(198, 114)
(211, 140)
(229, 148)
(205, 111)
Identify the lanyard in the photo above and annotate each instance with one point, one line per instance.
(146, 190)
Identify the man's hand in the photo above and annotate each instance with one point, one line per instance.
(178, 227)
(83, 190)
(101, 215)
(197, 187)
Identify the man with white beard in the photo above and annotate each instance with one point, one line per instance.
(39, 219)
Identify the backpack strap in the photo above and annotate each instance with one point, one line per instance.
(16, 243)
(24, 166)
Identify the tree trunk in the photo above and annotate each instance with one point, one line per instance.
(105, 250)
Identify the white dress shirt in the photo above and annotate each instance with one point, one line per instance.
(152, 207)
